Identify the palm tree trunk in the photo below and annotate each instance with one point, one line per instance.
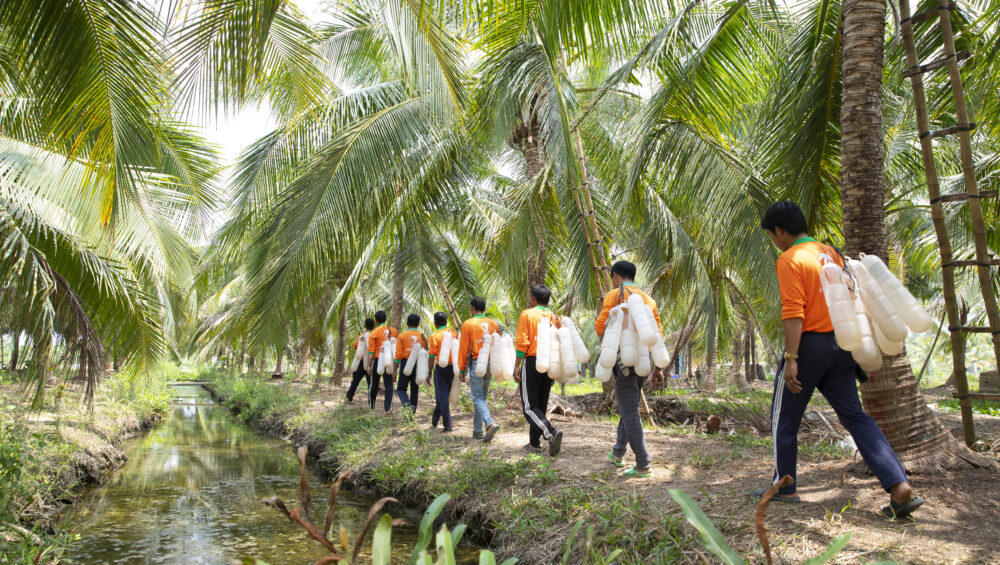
(319, 365)
(250, 364)
(277, 364)
(456, 318)
(398, 277)
(337, 377)
(891, 396)
(531, 148)
(15, 350)
(305, 356)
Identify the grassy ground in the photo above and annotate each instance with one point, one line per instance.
(527, 505)
(46, 454)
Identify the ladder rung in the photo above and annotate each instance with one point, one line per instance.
(972, 329)
(970, 263)
(936, 64)
(921, 16)
(963, 196)
(948, 131)
(978, 396)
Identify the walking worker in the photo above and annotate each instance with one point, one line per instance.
(534, 387)
(362, 371)
(628, 385)
(471, 342)
(407, 340)
(443, 376)
(813, 360)
(377, 337)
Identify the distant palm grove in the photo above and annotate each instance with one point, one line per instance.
(425, 152)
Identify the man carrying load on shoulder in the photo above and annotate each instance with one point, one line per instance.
(813, 360)
(473, 331)
(534, 387)
(379, 336)
(628, 384)
(362, 371)
(405, 343)
(443, 376)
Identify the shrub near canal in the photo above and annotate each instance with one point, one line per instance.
(521, 506)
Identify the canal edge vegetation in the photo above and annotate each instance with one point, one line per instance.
(47, 456)
(515, 507)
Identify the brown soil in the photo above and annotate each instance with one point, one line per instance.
(959, 523)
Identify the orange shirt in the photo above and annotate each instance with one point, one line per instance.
(406, 341)
(798, 281)
(437, 337)
(473, 331)
(527, 329)
(618, 296)
(378, 337)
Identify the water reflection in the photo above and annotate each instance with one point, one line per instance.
(191, 493)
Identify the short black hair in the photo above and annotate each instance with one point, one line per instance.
(412, 321)
(440, 319)
(541, 293)
(479, 303)
(380, 316)
(369, 324)
(624, 269)
(785, 215)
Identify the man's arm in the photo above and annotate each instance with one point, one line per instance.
(793, 334)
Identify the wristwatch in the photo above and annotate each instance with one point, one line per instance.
(791, 355)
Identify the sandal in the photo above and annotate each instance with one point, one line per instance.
(760, 492)
(615, 461)
(634, 473)
(896, 510)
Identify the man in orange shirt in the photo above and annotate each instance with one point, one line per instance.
(628, 385)
(407, 342)
(362, 371)
(471, 342)
(534, 387)
(378, 336)
(813, 360)
(444, 377)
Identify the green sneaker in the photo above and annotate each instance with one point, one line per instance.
(615, 461)
(633, 473)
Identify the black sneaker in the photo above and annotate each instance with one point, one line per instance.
(532, 449)
(490, 432)
(479, 436)
(555, 444)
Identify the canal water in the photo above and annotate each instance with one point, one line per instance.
(191, 491)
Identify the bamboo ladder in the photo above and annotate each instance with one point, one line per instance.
(972, 197)
(599, 254)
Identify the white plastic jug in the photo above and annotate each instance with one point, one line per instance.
(542, 336)
(509, 357)
(567, 355)
(642, 317)
(359, 351)
(868, 355)
(660, 354)
(643, 364)
(602, 373)
(444, 354)
(908, 308)
(456, 343)
(877, 304)
(411, 360)
(579, 347)
(630, 342)
(555, 356)
(483, 361)
(496, 354)
(841, 307)
(887, 346)
(422, 366)
(612, 338)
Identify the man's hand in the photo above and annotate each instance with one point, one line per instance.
(791, 375)
(517, 370)
(657, 377)
(461, 376)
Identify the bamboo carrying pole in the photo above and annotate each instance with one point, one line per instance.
(972, 198)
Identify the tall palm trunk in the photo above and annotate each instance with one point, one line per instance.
(278, 363)
(398, 277)
(456, 318)
(526, 140)
(15, 350)
(339, 356)
(891, 394)
(305, 356)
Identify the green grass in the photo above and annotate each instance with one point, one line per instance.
(985, 407)
(254, 398)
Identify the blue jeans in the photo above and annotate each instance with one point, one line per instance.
(480, 388)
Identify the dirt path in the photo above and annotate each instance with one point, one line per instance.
(959, 523)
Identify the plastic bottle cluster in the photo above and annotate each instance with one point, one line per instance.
(632, 336)
(876, 316)
(560, 350)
